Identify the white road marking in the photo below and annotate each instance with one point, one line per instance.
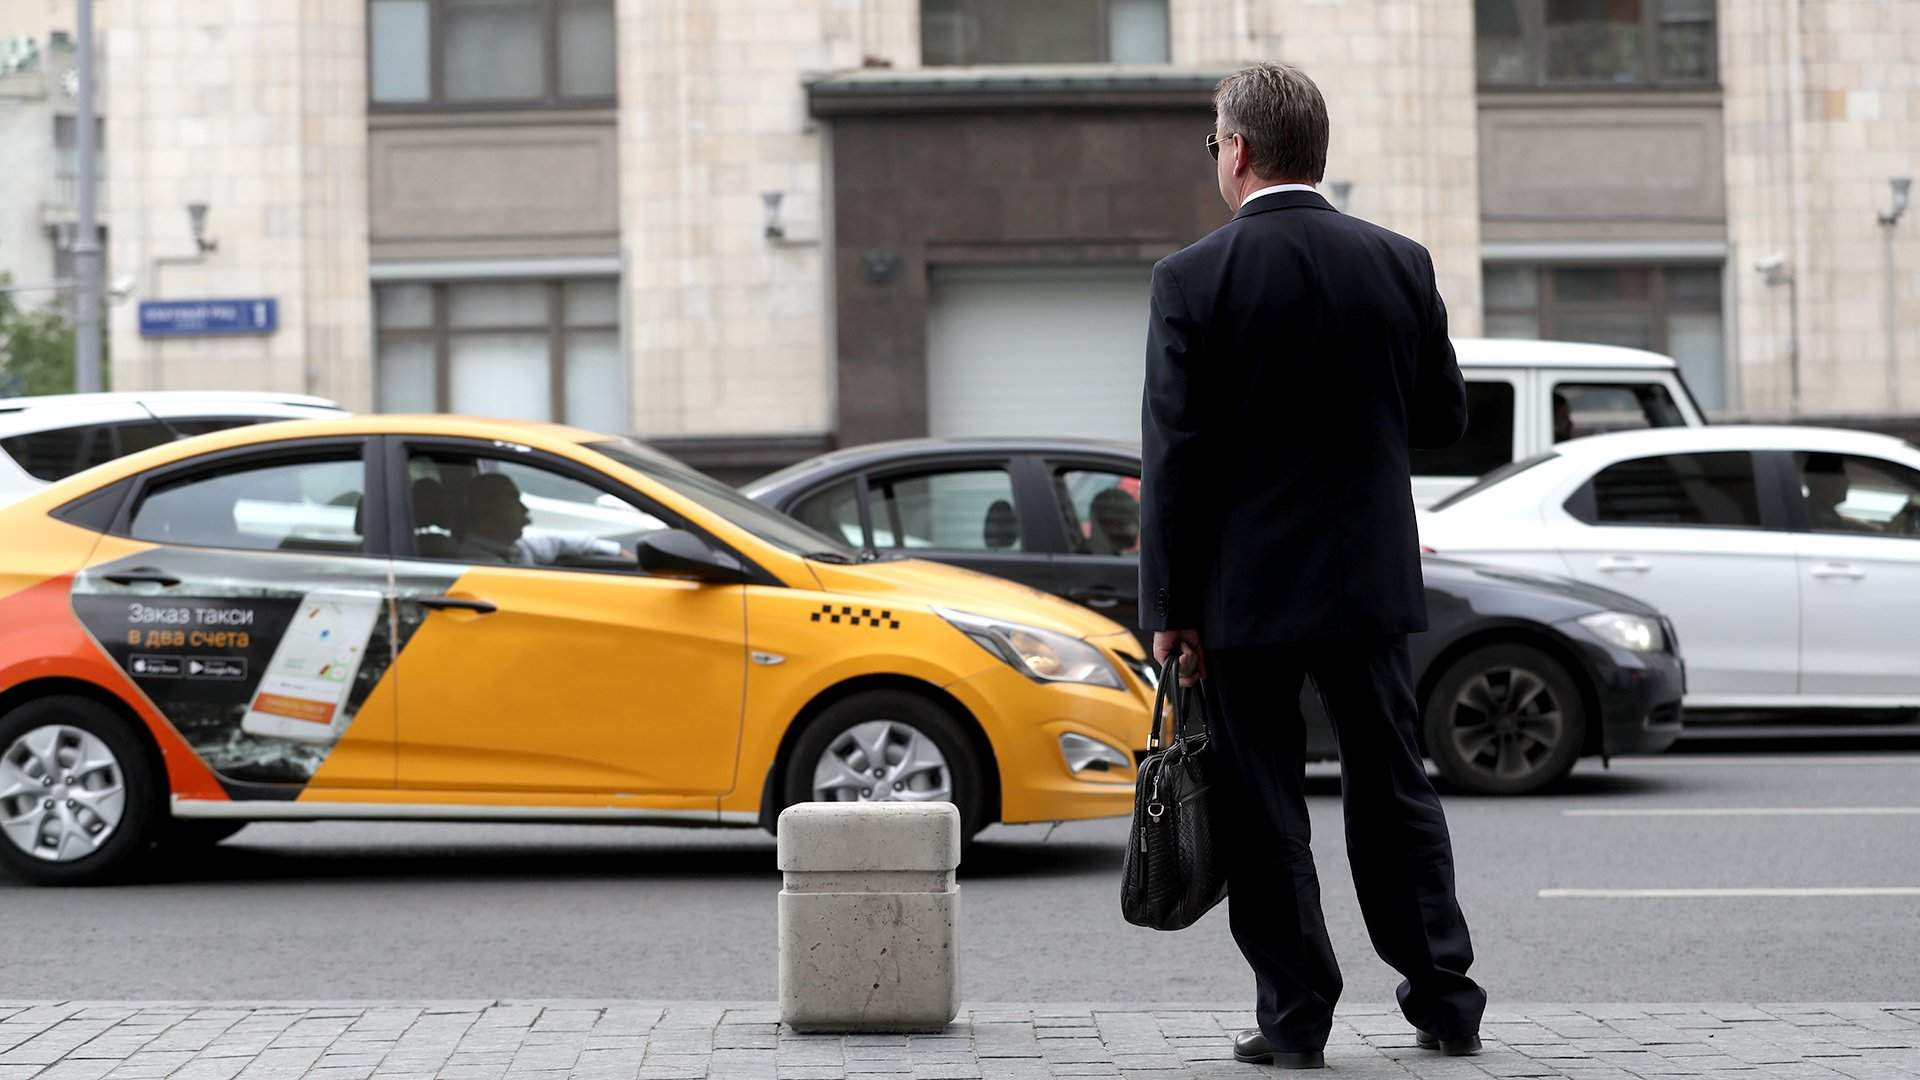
(1690, 894)
(1903, 761)
(1746, 811)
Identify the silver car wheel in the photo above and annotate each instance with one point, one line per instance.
(62, 793)
(882, 761)
(1506, 722)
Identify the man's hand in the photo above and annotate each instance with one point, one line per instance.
(1193, 657)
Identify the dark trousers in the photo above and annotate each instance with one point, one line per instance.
(1396, 836)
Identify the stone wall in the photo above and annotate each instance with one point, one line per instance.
(258, 110)
(1822, 107)
(727, 328)
(1398, 76)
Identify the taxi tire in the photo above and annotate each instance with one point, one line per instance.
(134, 835)
(1438, 717)
(927, 717)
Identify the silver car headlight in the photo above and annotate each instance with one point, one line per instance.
(1635, 633)
(1040, 655)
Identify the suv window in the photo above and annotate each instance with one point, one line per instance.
(309, 505)
(1597, 408)
(1865, 496)
(963, 510)
(59, 453)
(1488, 443)
(1715, 490)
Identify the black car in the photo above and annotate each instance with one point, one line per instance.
(1519, 676)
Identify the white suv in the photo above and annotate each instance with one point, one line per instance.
(43, 439)
(1514, 391)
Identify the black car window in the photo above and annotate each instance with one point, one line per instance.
(1488, 443)
(1100, 509)
(312, 504)
(1715, 490)
(833, 510)
(1863, 496)
(970, 509)
(1581, 409)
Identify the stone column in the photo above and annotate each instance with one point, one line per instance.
(259, 111)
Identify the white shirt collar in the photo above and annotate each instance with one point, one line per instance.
(1275, 190)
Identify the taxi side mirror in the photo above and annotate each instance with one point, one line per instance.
(679, 553)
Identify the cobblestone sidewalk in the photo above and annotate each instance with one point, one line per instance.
(489, 1040)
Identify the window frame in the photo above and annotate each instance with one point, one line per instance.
(374, 528)
(441, 333)
(1050, 466)
(1532, 16)
(992, 40)
(1017, 468)
(436, 100)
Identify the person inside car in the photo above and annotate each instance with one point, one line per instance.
(1827, 487)
(1116, 523)
(496, 524)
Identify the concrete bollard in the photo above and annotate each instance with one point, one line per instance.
(868, 917)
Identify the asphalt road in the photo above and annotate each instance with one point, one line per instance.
(447, 911)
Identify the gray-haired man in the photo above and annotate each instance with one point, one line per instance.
(1294, 356)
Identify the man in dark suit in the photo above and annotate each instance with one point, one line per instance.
(1294, 356)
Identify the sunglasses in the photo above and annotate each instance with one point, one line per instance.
(1214, 144)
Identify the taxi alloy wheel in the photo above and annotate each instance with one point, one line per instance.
(76, 791)
(887, 746)
(1505, 720)
(882, 761)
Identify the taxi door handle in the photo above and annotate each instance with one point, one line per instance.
(143, 574)
(455, 603)
(1839, 571)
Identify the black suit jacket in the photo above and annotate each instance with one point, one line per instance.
(1294, 356)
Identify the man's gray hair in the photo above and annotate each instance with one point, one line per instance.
(1281, 115)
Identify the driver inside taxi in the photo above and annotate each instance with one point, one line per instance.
(497, 523)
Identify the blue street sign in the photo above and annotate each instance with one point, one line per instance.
(200, 318)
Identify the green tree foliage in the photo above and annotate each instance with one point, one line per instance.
(36, 348)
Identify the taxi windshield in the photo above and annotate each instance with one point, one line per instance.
(770, 525)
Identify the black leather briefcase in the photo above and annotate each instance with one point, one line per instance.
(1171, 874)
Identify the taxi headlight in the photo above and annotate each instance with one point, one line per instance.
(1635, 633)
(1085, 754)
(1041, 655)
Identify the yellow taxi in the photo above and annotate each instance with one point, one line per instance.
(445, 618)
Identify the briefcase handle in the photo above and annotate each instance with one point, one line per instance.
(1183, 701)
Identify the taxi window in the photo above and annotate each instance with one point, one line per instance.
(309, 505)
(474, 508)
(834, 510)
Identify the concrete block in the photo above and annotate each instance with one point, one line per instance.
(868, 917)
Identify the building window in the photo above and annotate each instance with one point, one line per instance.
(1668, 309)
(1598, 43)
(959, 32)
(531, 350)
(490, 53)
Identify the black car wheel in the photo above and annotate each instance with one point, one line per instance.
(887, 746)
(1506, 719)
(78, 796)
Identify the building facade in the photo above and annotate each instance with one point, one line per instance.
(751, 230)
(39, 176)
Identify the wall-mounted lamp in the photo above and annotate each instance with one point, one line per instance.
(197, 220)
(880, 265)
(1902, 190)
(776, 228)
(1342, 192)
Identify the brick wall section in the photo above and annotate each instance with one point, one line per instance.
(1399, 80)
(727, 331)
(259, 110)
(1822, 107)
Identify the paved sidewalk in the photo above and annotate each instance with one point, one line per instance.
(497, 1040)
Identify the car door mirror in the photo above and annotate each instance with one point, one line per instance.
(679, 553)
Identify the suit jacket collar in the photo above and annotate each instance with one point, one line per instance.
(1284, 200)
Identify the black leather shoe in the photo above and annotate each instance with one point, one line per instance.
(1253, 1047)
(1465, 1046)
